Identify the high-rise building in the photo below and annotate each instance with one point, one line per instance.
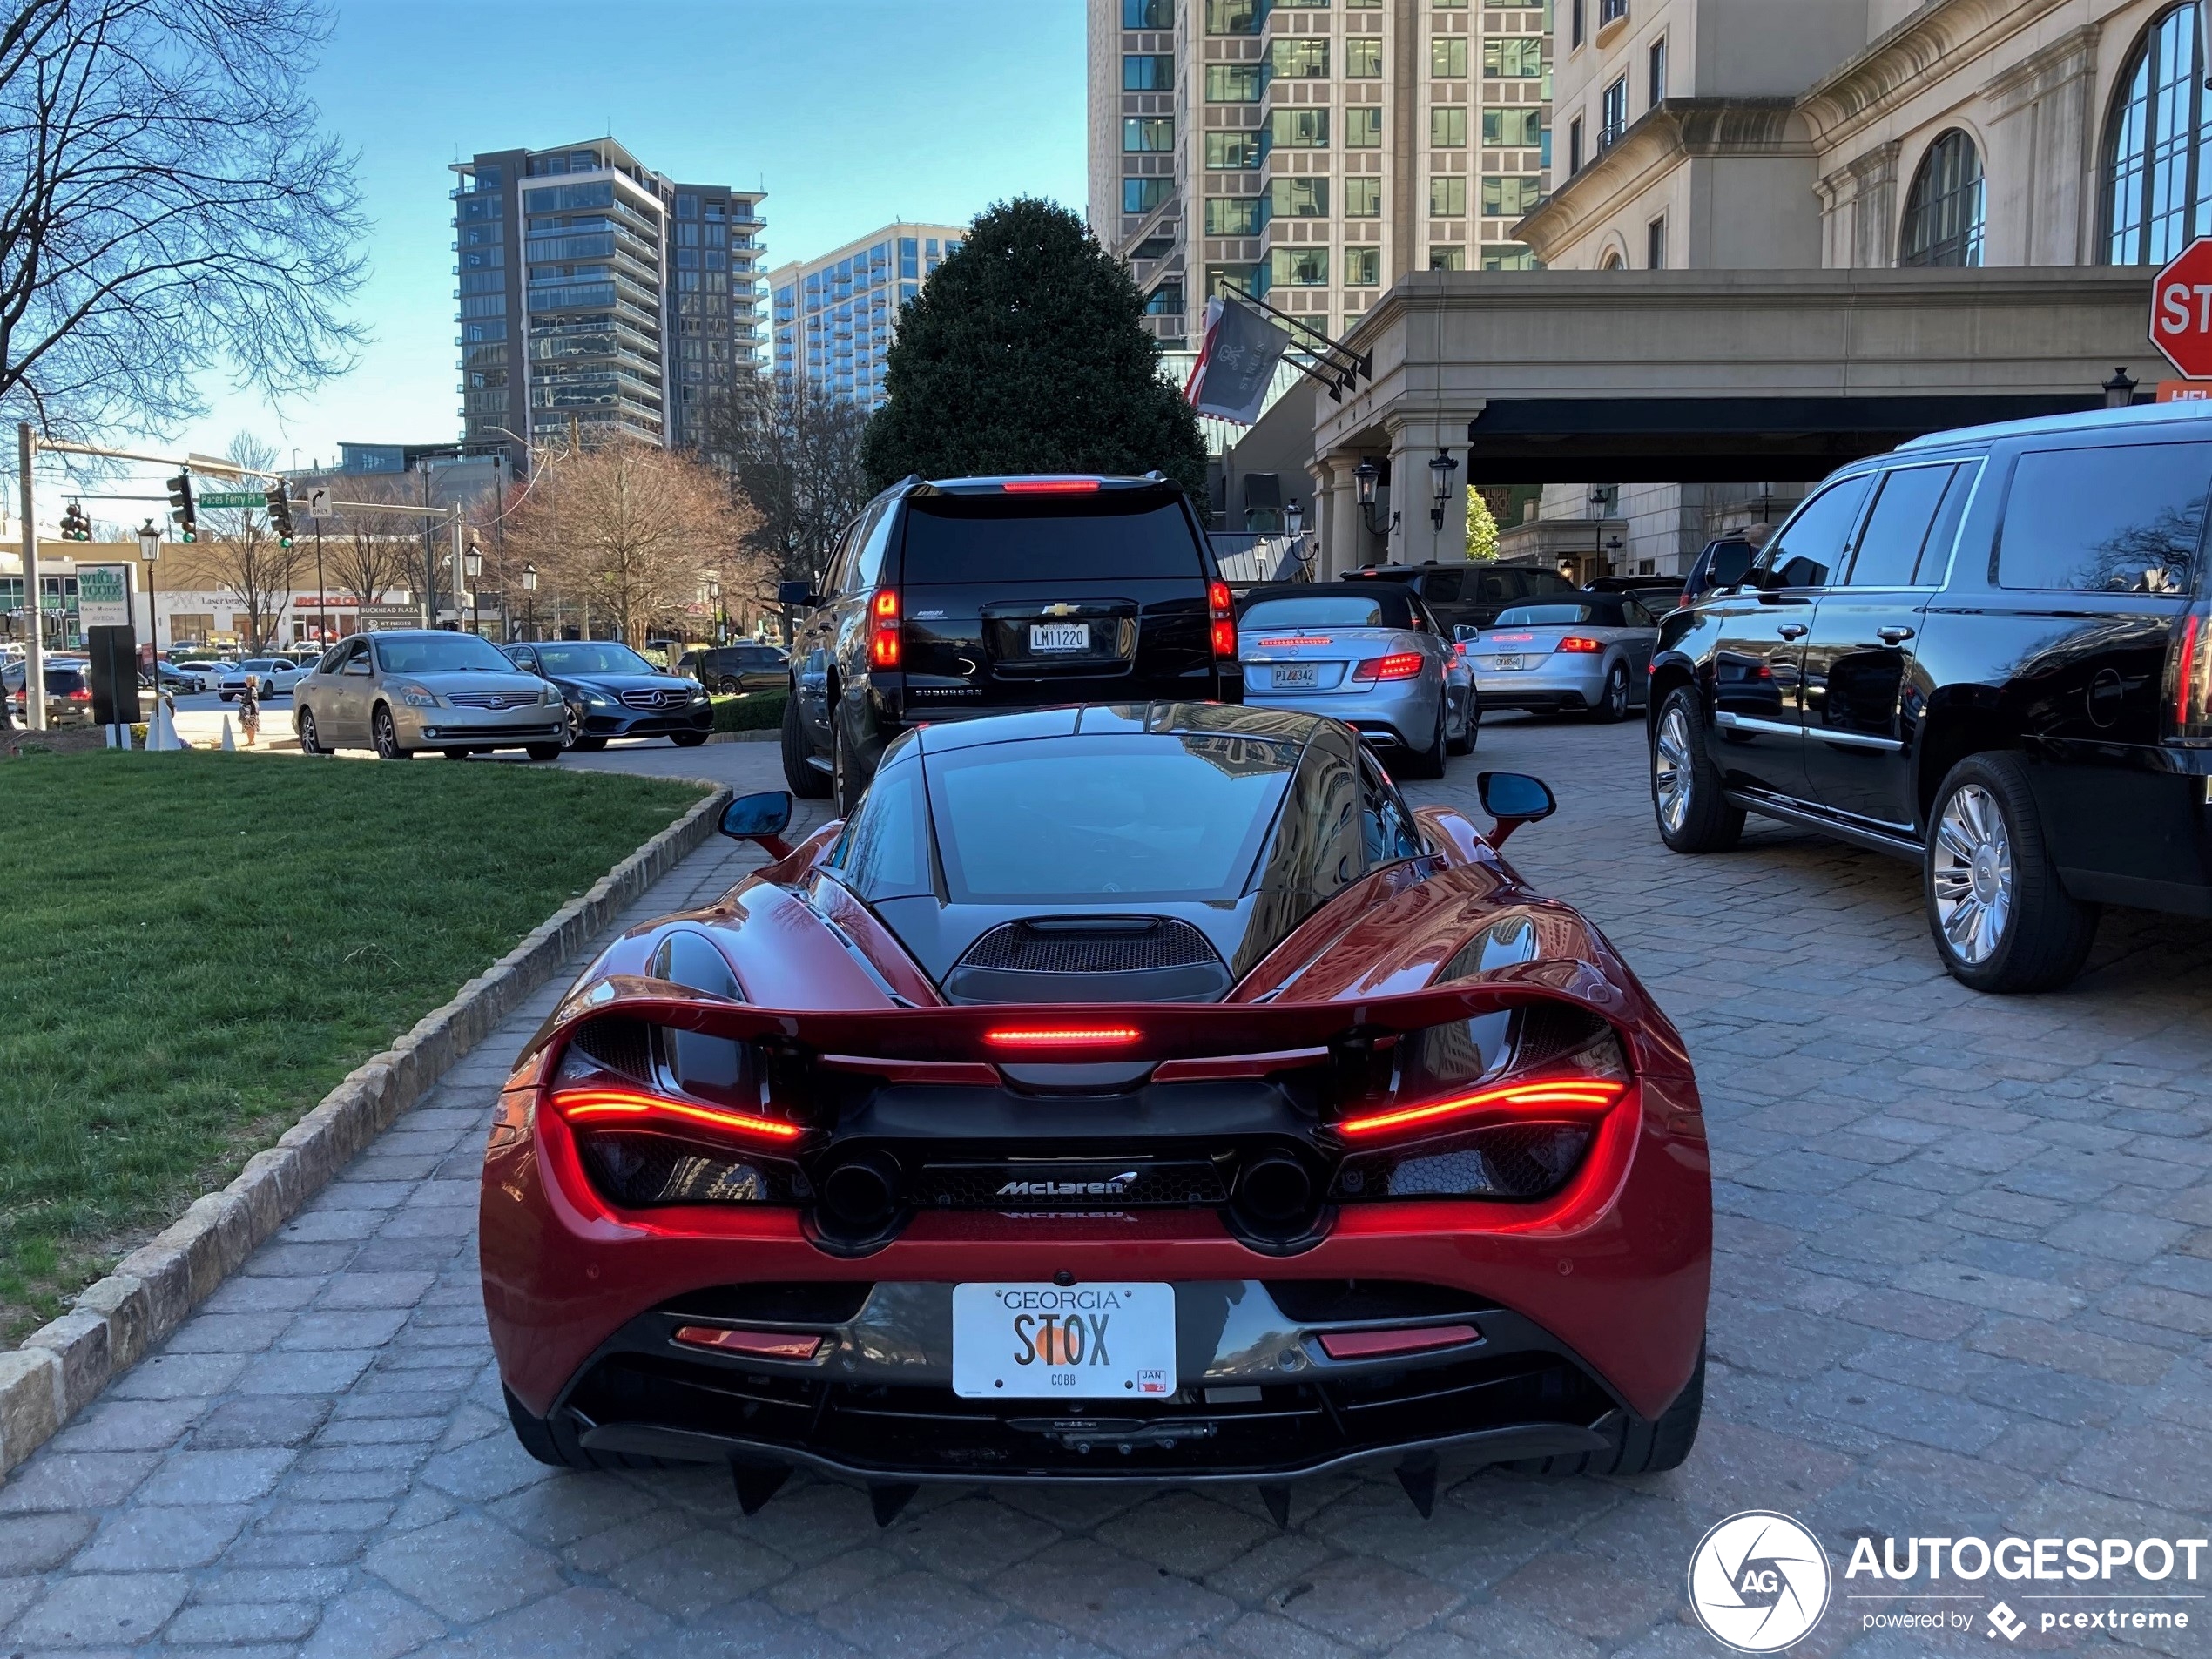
(834, 316)
(1313, 153)
(594, 290)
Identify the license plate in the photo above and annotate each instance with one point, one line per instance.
(1059, 635)
(1509, 662)
(1102, 1341)
(1293, 676)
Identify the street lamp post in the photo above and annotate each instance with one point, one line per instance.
(1294, 523)
(1366, 478)
(529, 597)
(721, 616)
(1440, 469)
(472, 566)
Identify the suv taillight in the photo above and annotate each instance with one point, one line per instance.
(1221, 615)
(2188, 676)
(883, 641)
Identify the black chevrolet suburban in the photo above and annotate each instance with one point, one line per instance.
(974, 596)
(1989, 651)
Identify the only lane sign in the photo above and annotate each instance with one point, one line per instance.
(2181, 310)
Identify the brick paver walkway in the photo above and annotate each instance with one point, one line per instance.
(1965, 1286)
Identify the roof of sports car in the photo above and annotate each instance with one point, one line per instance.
(1158, 719)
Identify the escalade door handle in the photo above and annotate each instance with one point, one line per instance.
(1893, 636)
(1792, 630)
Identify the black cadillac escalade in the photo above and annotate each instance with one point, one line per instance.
(1989, 651)
(975, 596)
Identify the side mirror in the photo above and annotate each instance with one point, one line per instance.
(1513, 799)
(799, 596)
(1465, 633)
(762, 818)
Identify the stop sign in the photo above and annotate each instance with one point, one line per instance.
(2181, 310)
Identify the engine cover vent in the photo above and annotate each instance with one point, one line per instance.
(1137, 959)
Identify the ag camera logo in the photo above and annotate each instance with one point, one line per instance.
(1758, 1581)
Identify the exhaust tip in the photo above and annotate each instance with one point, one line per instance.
(1276, 1189)
(862, 1193)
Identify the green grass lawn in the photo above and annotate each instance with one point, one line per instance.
(195, 947)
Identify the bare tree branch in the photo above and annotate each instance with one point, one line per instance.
(167, 205)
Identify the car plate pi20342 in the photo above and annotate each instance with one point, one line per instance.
(1104, 1341)
(1293, 676)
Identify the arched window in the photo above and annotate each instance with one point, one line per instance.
(1942, 212)
(2154, 187)
(1612, 261)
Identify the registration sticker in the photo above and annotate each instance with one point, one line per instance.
(1103, 1341)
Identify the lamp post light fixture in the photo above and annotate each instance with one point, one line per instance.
(1294, 523)
(1366, 479)
(529, 598)
(472, 566)
(721, 616)
(150, 550)
(1612, 557)
(1440, 469)
(2120, 390)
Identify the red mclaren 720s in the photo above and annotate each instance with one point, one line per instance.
(1119, 1094)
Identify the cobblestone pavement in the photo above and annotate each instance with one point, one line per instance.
(1965, 1286)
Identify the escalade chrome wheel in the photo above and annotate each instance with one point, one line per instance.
(1972, 876)
(1671, 770)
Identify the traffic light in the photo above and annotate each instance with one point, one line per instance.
(280, 511)
(76, 527)
(180, 508)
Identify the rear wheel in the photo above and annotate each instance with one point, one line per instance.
(1470, 717)
(1613, 702)
(1694, 816)
(846, 786)
(804, 779)
(1429, 762)
(729, 688)
(1639, 1446)
(2001, 919)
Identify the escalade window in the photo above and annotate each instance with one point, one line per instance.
(994, 537)
(2121, 519)
(1811, 544)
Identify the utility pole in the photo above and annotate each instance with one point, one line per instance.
(34, 649)
(429, 559)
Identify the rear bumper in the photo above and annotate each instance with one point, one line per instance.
(1588, 1303)
(1401, 712)
(1546, 690)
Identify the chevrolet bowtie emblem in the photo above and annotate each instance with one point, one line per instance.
(1060, 610)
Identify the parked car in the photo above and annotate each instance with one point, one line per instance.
(1366, 653)
(739, 668)
(1281, 1208)
(277, 675)
(69, 693)
(172, 678)
(405, 690)
(958, 597)
(1589, 653)
(1463, 595)
(611, 691)
(206, 670)
(1989, 652)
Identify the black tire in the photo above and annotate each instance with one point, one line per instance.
(846, 786)
(804, 780)
(1429, 762)
(1706, 823)
(729, 688)
(552, 1445)
(687, 739)
(2041, 933)
(542, 751)
(384, 735)
(1613, 702)
(1639, 1446)
(310, 740)
(1464, 744)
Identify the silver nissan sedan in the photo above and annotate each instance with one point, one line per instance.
(412, 689)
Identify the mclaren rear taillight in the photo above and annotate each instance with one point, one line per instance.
(2189, 676)
(1502, 1105)
(883, 638)
(599, 1106)
(1221, 613)
(1399, 666)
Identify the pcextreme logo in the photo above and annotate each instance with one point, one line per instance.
(1758, 1581)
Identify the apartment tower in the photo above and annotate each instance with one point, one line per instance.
(835, 317)
(594, 290)
(1312, 152)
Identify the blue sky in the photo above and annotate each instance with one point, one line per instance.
(850, 112)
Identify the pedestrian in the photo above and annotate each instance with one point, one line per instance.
(249, 709)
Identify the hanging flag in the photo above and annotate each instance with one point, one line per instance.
(1236, 362)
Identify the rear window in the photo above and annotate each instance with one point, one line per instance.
(1112, 534)
(1599, 613)
(1322, 610)
(1118, 818)
(2125, 519)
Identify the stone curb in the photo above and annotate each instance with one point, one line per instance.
(63, 1365)
(745, 736)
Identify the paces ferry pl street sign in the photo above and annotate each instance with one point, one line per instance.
(2181, 310)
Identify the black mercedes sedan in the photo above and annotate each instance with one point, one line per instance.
(612, 691)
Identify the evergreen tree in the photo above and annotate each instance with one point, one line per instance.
(1482, 527)
(1027, 352)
